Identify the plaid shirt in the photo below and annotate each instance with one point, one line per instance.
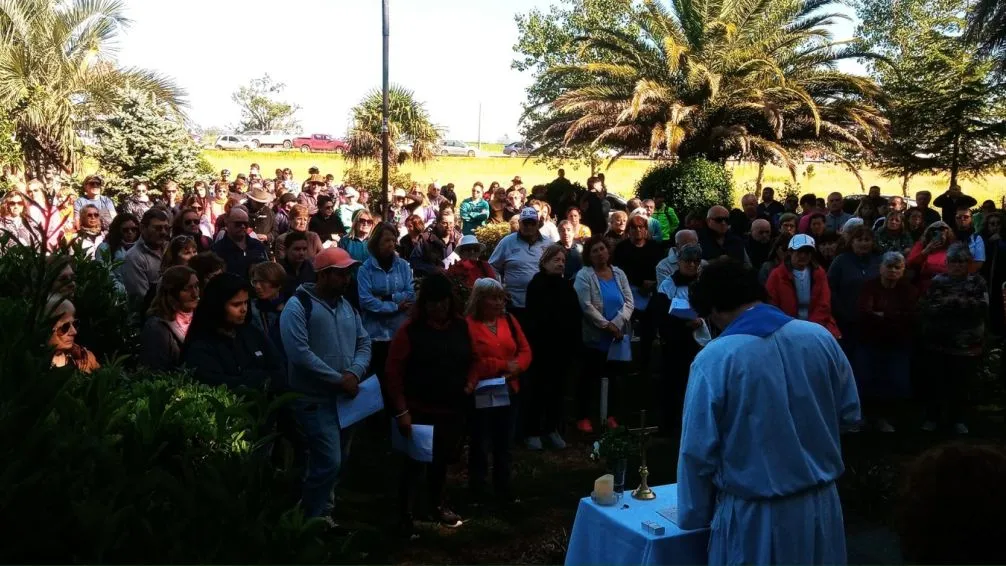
(954, 312)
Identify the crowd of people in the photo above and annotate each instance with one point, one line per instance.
(252, 282)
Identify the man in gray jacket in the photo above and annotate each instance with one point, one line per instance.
(328, 352)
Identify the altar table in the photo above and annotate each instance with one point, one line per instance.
(614, 534)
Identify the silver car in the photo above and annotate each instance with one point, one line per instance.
(455, 147)
(233, 142)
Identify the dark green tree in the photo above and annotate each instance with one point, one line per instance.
(946, 106)
(262, 110)
(146, 139)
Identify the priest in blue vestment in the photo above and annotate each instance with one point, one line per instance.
(760, 448)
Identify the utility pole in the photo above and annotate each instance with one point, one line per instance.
(385, 142)
(480, 125)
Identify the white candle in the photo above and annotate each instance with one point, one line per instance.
(604, 486)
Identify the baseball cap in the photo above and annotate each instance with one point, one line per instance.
(528, 214)
(399, 193)
(94, 179)
(351, 192)
(333, 257)
(690, 252)
(801, 241)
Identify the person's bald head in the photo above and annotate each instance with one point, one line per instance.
(684, 237)
(237, 224)
(718, 219)
(761, 231)
(749, 203)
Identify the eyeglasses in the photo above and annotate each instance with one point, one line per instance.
(92, 215)
(62, 329)
(365, 222)
(197, 208)
(191, 222)
(17, 203)
(720, 219)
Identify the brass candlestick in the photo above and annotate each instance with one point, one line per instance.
(643, 491)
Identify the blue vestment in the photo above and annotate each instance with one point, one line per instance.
(760, 445)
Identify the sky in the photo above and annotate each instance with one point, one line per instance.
(454, 54)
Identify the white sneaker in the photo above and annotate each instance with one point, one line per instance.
(960, 428)
(884, 426)
(929, 426)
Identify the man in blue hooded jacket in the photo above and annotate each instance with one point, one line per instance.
(328, 352)
(760, 449)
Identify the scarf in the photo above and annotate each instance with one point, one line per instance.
(183, 320)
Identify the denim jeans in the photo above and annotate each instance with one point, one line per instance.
(327, 449)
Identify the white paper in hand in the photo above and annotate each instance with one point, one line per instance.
(418, 446)
(451, 259)
(367, 402)
(620, 350)
(492, 393)
(681, 308)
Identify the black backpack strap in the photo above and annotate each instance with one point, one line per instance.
(307, 303)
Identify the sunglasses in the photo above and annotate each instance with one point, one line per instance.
(366, 222)
(17, 203)
(92, 215)
(197, 208)
(191, 222)
(62, 329)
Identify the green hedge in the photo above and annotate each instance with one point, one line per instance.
(128, 466)
(693, 184)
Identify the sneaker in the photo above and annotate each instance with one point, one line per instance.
(612, 423)
(448, 518)
(929, 426)
(584, 426)
(884, 426)
(556, 441)
(960, 428)
(533, 443)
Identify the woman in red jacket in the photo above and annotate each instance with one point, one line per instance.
(799, 287)
(499, 350)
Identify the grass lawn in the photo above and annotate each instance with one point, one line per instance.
(621, 177)
(551, 483)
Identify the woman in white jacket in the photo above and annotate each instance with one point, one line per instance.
(606, 301)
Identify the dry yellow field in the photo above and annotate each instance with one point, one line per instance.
(621, 177)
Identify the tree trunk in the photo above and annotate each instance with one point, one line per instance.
(904, 184)
(955, 161)
(761, 174)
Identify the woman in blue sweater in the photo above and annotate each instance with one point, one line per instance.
(386, 292)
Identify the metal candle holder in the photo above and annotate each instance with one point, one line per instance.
(643, 432)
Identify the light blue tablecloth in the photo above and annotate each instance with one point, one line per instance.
(615, 535)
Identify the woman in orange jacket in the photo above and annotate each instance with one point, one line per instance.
(499, 350)
(799, 287)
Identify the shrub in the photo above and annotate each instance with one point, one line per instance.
(365, 177)
(490, 235)
(693, 184)
(121, 466)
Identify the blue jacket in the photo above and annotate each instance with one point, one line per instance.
(356, 248)
(335, 343)
(380, 292)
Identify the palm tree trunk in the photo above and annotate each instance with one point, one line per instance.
(955, 160)
(761, 174)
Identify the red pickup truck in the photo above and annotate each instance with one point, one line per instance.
(320, 142)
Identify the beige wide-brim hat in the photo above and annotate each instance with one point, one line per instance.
(259, 194)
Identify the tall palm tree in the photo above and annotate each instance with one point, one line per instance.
(717, 78)
(58, 73)
(407, 118)
(987, 27)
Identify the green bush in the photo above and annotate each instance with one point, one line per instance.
(132, 467)
(693, 184)
(368, 178)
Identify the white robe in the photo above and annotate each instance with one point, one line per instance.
(760, 447)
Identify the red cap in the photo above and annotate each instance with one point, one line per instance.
(333, 257)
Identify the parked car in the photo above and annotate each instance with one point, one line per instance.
(320, 142)
(518, 149)
(455, 147)
(232, 141)
(270, 138)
